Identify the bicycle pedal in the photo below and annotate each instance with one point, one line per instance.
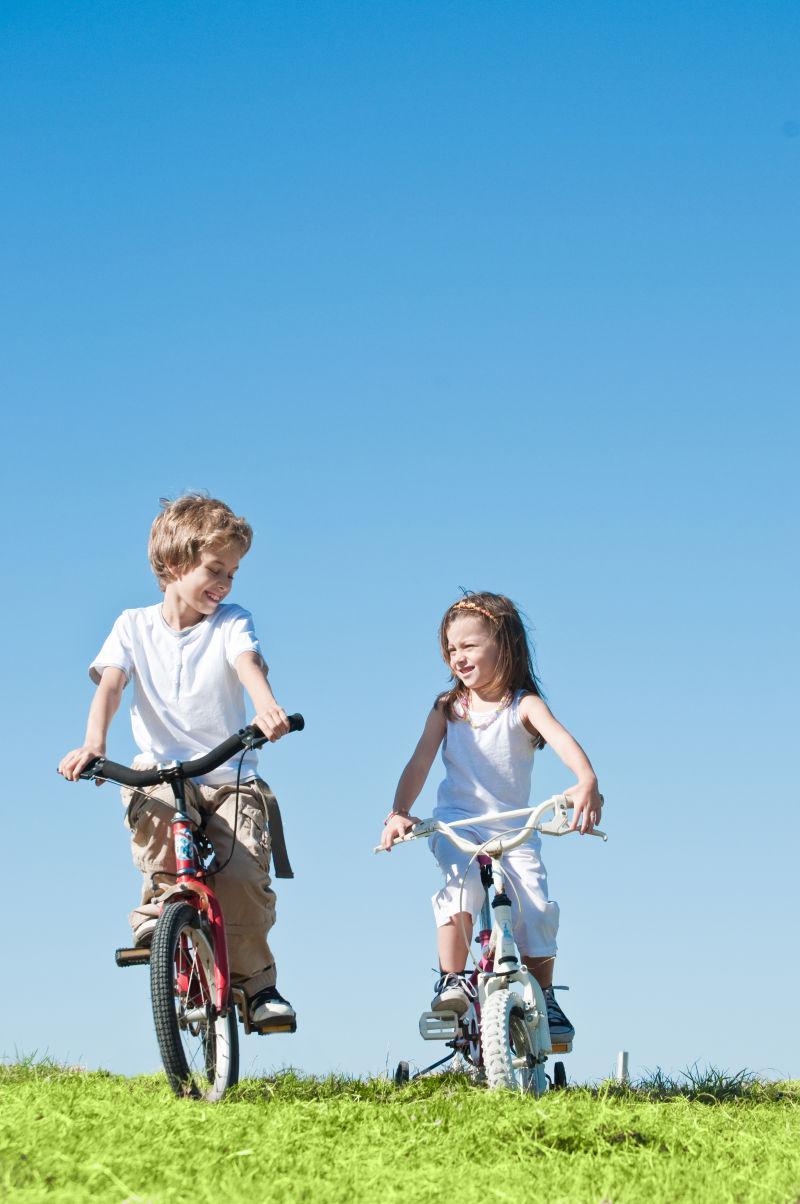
(268, 1027)
(439, 1026)
(132, 957)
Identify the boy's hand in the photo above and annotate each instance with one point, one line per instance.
(397, 825)
(273, 721)
(71, 765)
(588, 803)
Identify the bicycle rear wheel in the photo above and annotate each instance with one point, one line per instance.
(511, 1052)
(199, 1047)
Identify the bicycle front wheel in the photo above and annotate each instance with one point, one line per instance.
(199, 1047)
(511, 1052)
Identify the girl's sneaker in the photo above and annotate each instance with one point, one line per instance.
(454, 993)
(561, 1030)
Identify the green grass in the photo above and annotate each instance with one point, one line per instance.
(70, 1136)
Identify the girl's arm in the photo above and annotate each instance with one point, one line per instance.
(104, 707)
(537, 717)
(412, 779)
(270, 715)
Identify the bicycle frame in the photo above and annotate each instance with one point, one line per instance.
(499, 968)
(191, 885)
(494, 932)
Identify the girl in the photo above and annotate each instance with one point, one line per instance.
(491, 722)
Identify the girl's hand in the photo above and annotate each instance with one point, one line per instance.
(71, 765)
(397, 825)
(273, 722)
(588, 804)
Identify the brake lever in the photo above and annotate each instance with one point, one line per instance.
(91, 769)
(559, 825)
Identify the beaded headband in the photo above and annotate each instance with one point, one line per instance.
(465, 604)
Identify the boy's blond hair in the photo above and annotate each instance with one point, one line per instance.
(190, 526)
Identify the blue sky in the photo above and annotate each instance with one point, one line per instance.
(438, 295)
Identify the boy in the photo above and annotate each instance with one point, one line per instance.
(191, 659)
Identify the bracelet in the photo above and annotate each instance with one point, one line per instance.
(391, 813)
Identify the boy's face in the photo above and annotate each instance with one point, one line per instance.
(208, 583)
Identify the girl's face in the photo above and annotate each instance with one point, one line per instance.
(473, 652)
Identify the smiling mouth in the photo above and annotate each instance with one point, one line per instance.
(213, 598)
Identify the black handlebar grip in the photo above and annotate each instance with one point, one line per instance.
(123, 775)
(296, 724)
(87, 773)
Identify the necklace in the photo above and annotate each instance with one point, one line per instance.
(487, 716)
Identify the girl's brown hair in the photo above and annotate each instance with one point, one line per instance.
(515, 669)
(190, 526)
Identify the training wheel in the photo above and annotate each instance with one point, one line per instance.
(559, 1076)
(401, 1074)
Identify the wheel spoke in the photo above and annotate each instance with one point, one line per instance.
(193, 1008)
(199, 1047)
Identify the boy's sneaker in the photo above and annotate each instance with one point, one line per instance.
(454, 993)
(561, 1030)
(269, 1004)
(143, 936)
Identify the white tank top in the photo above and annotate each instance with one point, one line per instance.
(488, 766)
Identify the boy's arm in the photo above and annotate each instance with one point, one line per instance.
(413, 778)
(103, 709)
(538, 718)
(270, 715)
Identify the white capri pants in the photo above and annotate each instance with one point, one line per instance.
(535, 915)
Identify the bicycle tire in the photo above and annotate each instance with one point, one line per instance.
(199, 1048)
(511, 1051)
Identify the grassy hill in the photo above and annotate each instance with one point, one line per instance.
(75, 1136)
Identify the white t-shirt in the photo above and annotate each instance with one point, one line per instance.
(187, 697)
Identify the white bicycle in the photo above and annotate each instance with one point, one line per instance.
(504, 1034)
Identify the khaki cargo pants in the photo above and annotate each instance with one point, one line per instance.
(243, 886)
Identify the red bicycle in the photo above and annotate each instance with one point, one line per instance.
(194, 1003)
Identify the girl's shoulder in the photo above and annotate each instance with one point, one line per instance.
(530, 707)
(518, 704)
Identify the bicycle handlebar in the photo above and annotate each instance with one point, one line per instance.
(248, 737)
(494, 846)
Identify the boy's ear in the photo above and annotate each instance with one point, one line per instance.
(171, 572)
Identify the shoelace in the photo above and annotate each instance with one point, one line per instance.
(462, 981)
(554, 1008)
